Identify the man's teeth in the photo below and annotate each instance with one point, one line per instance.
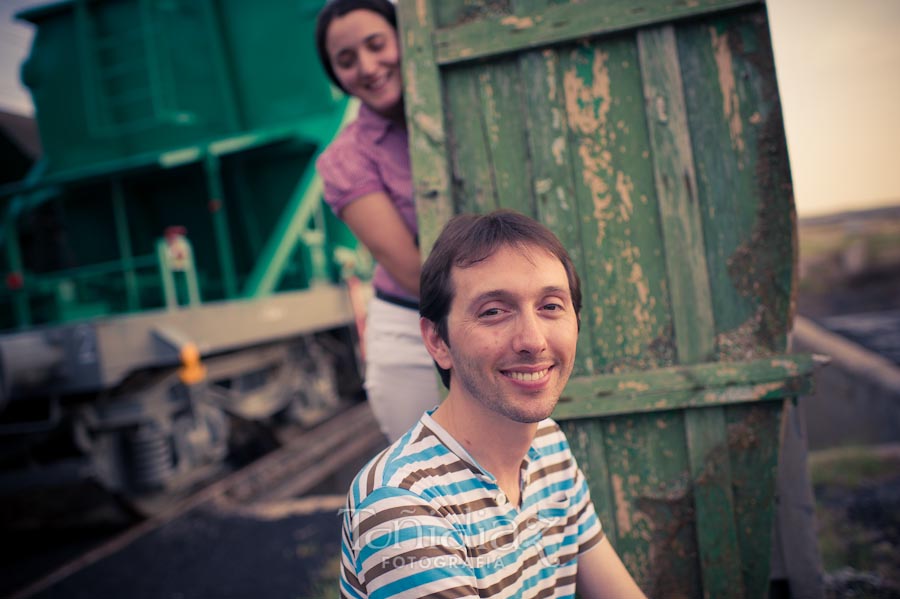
(528, 376)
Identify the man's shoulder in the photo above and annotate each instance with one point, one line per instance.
(550, 449)
(414, 465)
(549, 434)
(548, 424)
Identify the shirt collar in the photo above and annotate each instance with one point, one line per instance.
(373, 123)
(451, 443)
(457, 449)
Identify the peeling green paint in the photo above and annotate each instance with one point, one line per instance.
(656, 154)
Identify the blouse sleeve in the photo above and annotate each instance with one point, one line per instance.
(347, 173)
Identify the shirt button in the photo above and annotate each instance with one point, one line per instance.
(501, 499)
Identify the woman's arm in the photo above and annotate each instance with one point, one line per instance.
(377, 224)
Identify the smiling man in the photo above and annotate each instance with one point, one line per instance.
(482, 497)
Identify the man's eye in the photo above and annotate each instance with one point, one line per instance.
(490, 312)
(552, 307)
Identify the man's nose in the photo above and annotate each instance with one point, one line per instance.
(529, 336)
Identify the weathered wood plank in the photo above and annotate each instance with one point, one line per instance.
(525, 7)
(478, 34)
(676, 189)
(502, 106)
(425, 120)
(652, 502)
(691, 302)
(717, 539)
(698, 377)
(743, 182)
(747, 210)
(626, 301)
(582, 403)
(679, 388)
(626, 305)
(575, 405)
(473, 180)
(754, 438)
(724, 186)
(588, 444)
(450, 13)
(720, 558)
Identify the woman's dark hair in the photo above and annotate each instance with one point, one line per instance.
(468, 239)
(338, 8)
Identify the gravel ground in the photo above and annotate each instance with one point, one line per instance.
(857, 490)
(219, 553)
(857, 494)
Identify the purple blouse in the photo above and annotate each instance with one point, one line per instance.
(371, 154)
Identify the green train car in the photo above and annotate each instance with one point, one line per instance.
(171, 270)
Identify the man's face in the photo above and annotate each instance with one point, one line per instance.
(512, 333)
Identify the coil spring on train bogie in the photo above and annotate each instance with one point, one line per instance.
(151, 455)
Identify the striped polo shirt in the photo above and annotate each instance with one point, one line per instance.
(423, 519)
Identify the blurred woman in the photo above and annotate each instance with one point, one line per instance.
(368, 184)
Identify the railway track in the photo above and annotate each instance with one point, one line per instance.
(277, 479)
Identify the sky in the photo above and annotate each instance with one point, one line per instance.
(838, 69)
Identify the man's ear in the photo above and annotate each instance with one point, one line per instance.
(436, 346)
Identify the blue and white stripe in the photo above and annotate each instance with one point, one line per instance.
(424, 519)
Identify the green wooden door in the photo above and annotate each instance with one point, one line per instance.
(647, 134)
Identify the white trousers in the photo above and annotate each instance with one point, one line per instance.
(401, 380)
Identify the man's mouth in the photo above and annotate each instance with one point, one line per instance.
(526, 377)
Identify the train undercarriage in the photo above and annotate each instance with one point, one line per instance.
(153, 430)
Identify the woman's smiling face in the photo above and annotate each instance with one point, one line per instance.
(365, 54)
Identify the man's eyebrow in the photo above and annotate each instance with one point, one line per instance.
(493, 294)
(556, 290)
